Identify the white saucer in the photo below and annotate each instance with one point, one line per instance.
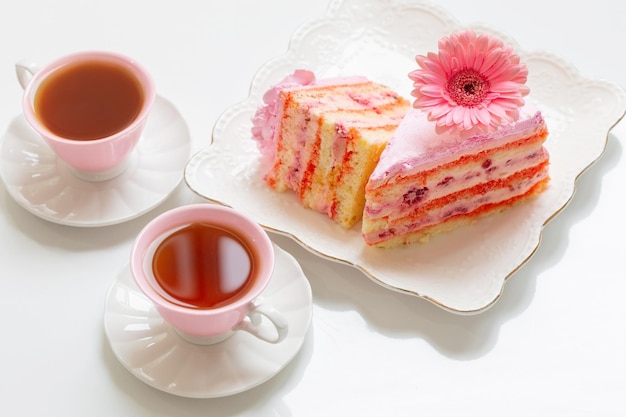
(44, 185)
(152, 350)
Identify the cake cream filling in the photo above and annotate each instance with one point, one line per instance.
(334, 155)
(297, 113)
(266, 121)
(269, 119)
(314, 167)
(494, 197)
(391, 204)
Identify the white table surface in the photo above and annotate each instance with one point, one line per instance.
(554, 344)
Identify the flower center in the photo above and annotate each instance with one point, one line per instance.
(468, 87)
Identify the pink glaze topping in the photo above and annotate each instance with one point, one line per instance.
(265, 120)
(418, 145)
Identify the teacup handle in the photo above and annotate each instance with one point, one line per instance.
(253, 324)
(25, 70)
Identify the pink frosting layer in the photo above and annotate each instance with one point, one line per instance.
(265, 120)
(501, 167)
(417, 146)
(267, 117)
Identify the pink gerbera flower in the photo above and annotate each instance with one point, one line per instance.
(474, 82)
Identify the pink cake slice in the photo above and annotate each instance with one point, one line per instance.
(427, 182)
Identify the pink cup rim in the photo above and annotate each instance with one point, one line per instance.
(140, 72)
(153, 228)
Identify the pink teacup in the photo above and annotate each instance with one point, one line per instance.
(171, 249)
(81, 105)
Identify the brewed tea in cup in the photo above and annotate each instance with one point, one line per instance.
(205, 267)
(90, 107)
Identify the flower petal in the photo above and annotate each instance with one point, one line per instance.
(473, 81)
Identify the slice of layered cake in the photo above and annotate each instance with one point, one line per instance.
(468, 147)
(323, 138)
(425, 184)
